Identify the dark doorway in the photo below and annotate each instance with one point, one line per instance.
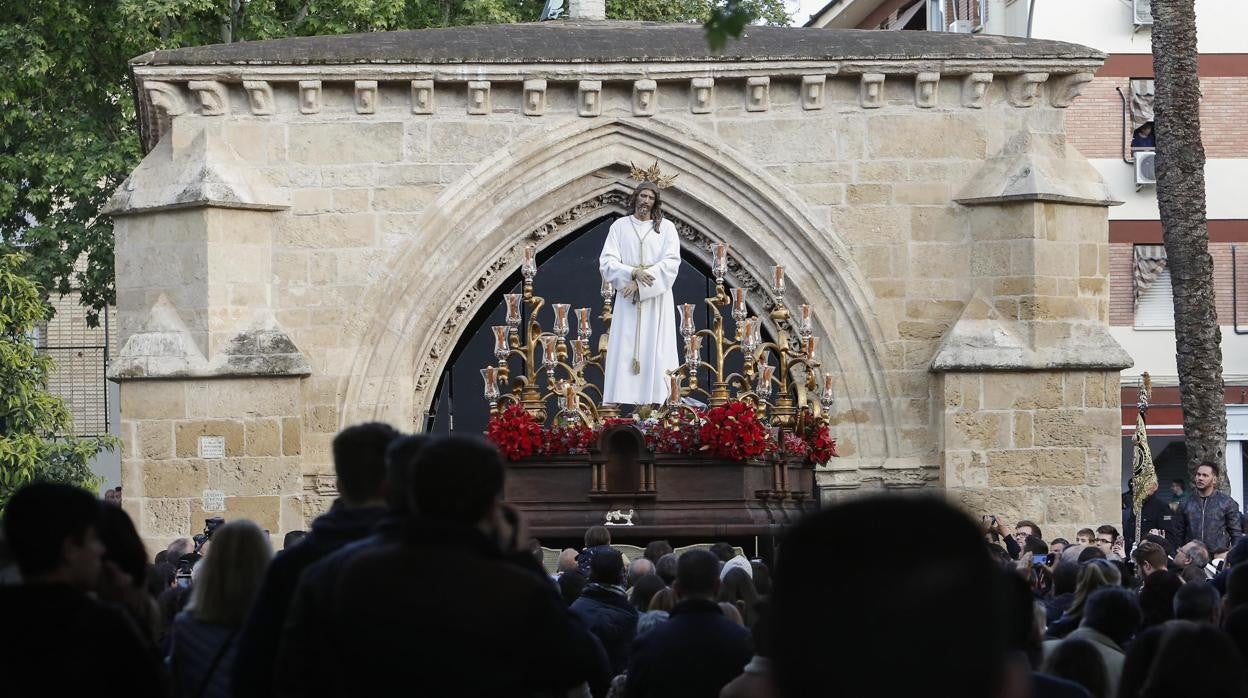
(567, 273)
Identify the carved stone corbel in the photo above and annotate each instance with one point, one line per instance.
(926, 90)
(812, 91)
(1025, 87)
(534, 97)
(975, 90)
(166, 96)
(260, 95)
(1064, 89)
(702, 95)
(589, 98)
(871, 90)
(758, 94)
(365, 96)
(214, 98)
(645, 97)
(422, 96)
(309, 96)
(478, 97)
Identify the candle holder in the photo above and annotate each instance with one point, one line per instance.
(766, 373)
(560, 327)
(777, 282)
(687, 327)
(719, 262)
(583, 328)
(739, 311)
(489, 376)
(693, 351)
(529, 267)
(513, 301)
(749, 338)
(827, 398)
(501, 347)
(550, 354)
(805, 321)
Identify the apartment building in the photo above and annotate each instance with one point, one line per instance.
(1103, 123)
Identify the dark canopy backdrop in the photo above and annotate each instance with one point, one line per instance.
(567, 273)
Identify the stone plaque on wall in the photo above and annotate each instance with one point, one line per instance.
(212, 447)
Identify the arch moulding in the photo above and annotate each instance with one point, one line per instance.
(549, 186)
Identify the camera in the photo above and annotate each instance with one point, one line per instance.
(210, 525)
(187, 562)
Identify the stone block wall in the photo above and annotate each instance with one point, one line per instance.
(260, 474)
(1036, 446)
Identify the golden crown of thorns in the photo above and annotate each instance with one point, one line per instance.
(653, 174)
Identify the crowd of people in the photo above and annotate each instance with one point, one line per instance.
(420, 579)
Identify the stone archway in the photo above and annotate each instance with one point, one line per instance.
(542, 187)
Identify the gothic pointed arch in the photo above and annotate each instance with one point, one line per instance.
(470, 239)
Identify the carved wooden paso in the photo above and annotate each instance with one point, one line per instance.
(693, 496)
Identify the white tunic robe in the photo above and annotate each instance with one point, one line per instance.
(645, 330)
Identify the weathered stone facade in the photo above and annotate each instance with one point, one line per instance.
(319, 219)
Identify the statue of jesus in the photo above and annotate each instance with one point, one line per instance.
(640, 260)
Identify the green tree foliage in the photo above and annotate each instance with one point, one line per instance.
(35, 433)
(67, 133)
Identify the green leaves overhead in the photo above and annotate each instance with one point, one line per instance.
(34, 424)
(67, 132)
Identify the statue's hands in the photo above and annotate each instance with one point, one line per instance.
(630, 291)
(644, 277)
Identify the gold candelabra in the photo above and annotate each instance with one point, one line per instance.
(781, 397)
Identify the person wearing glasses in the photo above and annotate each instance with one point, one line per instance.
(1109, 541)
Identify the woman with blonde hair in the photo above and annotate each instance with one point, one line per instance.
(224, 587)
(1094, 575)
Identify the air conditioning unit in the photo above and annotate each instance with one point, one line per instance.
(1145, 168)
(961, 26)
(1142, 13)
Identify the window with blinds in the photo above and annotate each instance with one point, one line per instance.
(1154, 309)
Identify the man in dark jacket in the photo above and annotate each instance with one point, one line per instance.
(605, 609)
(302, 661)
(698, 650)
(445, 612)
(1210, 516)
(359, 464)
(58, 641)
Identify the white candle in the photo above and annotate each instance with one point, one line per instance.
(673, 388)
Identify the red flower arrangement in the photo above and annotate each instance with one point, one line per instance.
(516, 433)
(682, 437)
(795, 445)
(733, 431)
(822, 447)
(570, 439)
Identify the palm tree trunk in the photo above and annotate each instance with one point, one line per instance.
(1181, 200)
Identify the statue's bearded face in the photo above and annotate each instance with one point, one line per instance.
(645, 202)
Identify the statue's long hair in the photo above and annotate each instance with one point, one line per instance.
(656, 212)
